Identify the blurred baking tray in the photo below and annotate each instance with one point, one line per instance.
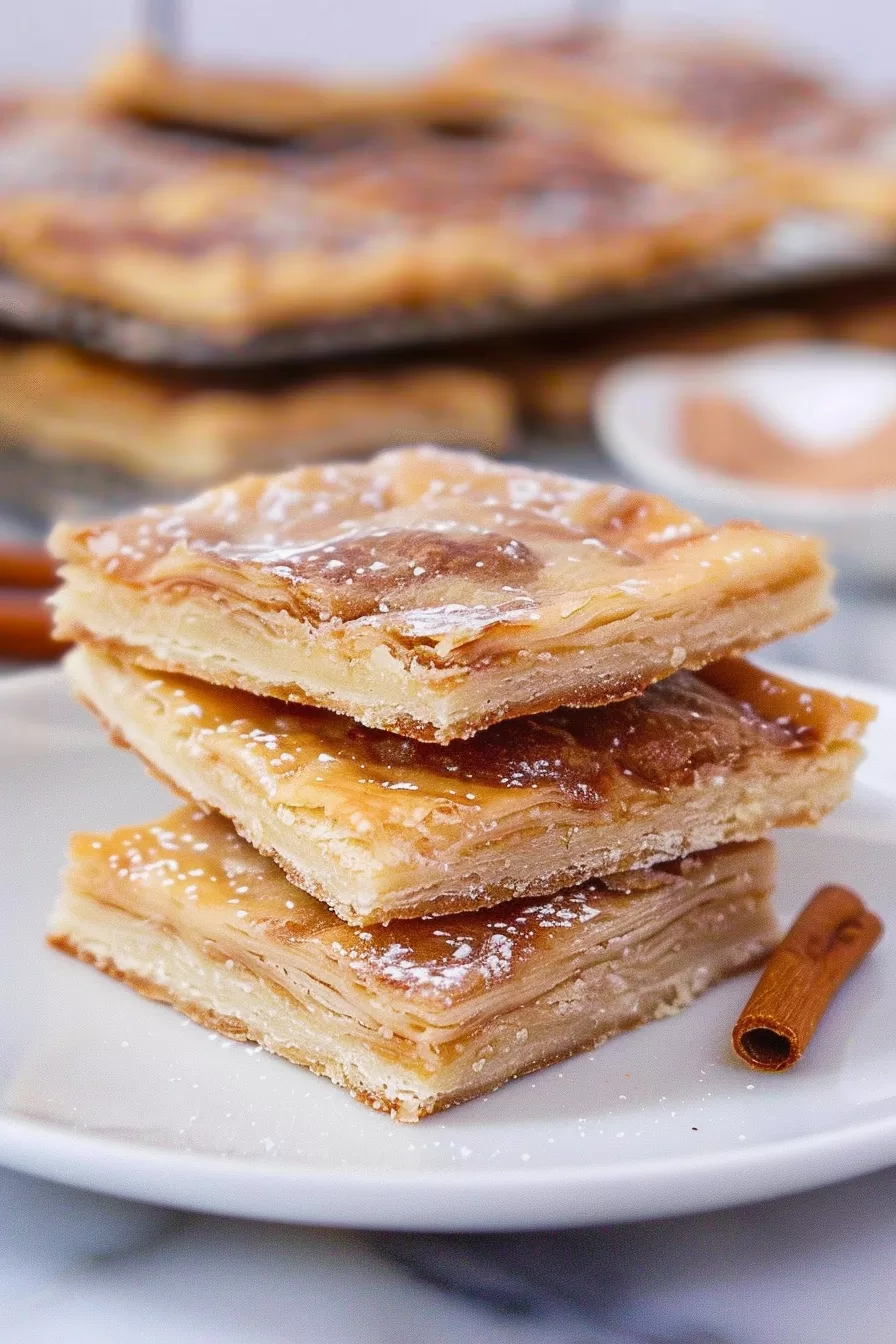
(798, 251)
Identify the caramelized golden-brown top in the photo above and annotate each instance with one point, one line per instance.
(427, 550)
(90, 182)
(825, 717)
(722, 84)
(536, 182)
(713, 84)
(61, 152)
(684, 729)
(193, 870)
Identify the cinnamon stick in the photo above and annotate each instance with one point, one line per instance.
(26, 567)
(26, 628)
(830, 938)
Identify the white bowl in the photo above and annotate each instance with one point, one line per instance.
(819, 395)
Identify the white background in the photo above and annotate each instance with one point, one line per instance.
(62, 38)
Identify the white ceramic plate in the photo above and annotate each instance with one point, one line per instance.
(818, 394)
(100, 1088)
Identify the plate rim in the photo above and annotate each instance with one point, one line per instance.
(450, 1200)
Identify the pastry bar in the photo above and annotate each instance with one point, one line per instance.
(689, 106)
(423, 1014)
(144, 83)
(178, 431)
(383, 827)
(432, 593)
(233, 241)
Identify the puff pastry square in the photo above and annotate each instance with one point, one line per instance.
(432, 593)
(382, 827)
(423, 1014)
(233, 241)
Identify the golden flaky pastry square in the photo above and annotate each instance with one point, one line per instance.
(142, 82)
(692, 107)
(423, 1014)
(235, 240)
(432, 593)
(382, 827)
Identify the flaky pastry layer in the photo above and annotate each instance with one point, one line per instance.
(431, 1013)
(60, 403)
(381, 827)
(432, 593)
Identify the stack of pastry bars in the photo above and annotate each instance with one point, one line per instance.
(476, 775)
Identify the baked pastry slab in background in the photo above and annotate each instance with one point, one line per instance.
(685, 106)
(174, 430)
(421, 1015)
(382, 827)
(232, 241)
(147, 84)
(432, 593)
(691, 107)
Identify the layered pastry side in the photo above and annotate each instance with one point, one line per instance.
(432, 593)
(176, 430)
(381, 827)
(231, 241)
(421, 1015)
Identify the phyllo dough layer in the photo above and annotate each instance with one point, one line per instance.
(421, 1015)
(383, 827)
(432, 593)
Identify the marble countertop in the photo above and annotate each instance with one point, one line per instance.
(77, 1268)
